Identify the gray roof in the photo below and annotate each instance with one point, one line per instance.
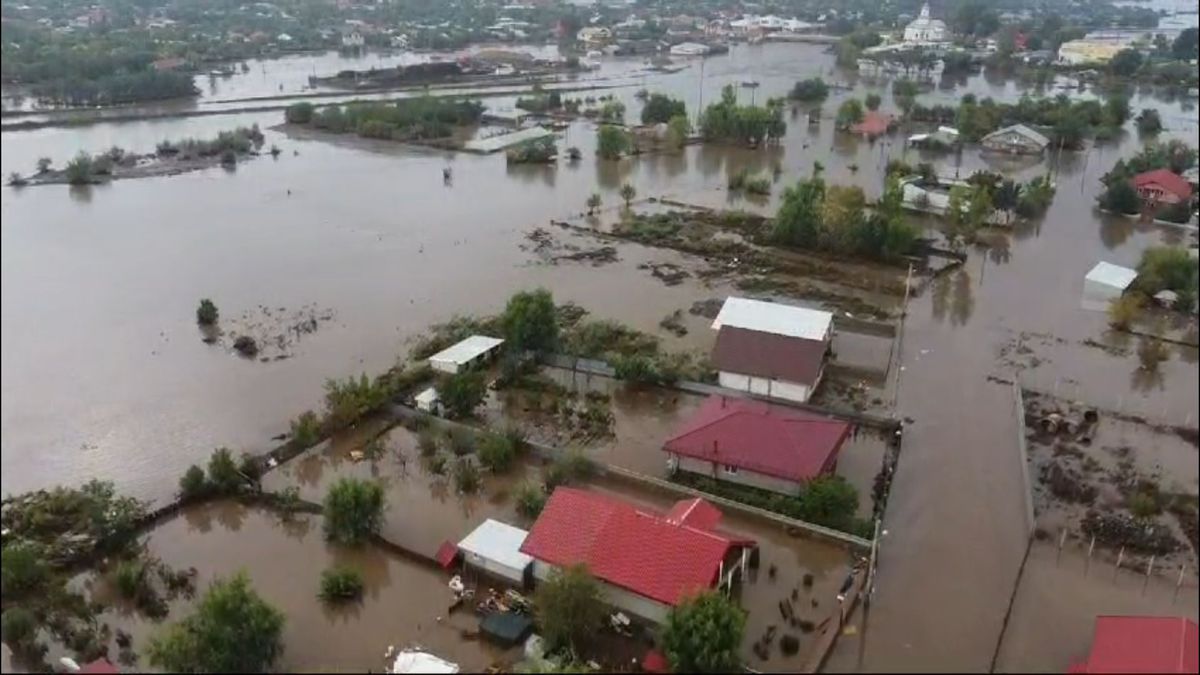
(1022, 130)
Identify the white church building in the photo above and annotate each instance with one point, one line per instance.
(925, 29)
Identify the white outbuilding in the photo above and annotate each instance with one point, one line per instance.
(495, 548)
(462, 355)
(1104, 283)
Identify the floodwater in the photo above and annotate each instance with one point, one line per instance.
(104, 375)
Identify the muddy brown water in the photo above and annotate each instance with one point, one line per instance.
(104, 375)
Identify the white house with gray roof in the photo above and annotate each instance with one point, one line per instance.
(1016, 140)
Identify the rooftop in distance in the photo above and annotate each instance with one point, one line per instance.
(772, 317)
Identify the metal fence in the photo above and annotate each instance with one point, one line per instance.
(1154, 405)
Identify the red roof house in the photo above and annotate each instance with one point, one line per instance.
(756, 443)
(1142, 644)
(100, 665)
(647, 562)
(874, 123)
(1162, 186)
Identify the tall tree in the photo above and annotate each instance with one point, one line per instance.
(703, 634)
(353, 510)
(531, 321)
(569, 608)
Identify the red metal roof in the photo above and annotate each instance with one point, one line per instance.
(1167, 180)
(639, 551)
(694, 512)
(446, 554)
(874, 123)
(770, 355)
(757, 436)
(1142, 644)
(100, 665)
(655, 662)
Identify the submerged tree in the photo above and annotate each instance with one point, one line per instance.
(353, 510)
(569, 608)
(703, 634)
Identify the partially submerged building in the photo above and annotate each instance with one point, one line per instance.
(1104, 283)
(495, 548)
(1162, 187)
(646, 562)
(465, 354)
(771, 349)
(1017, 139)
(758, 444)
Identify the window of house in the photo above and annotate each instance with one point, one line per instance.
(730, 469)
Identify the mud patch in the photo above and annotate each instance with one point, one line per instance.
(668, 273)
(273, 333)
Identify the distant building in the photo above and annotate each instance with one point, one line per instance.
(1142, 644)
(1016, 140)
(594, 35)
(690, 49)
(353, 39)
(465, 354)
(1104, 283)
(1077, 52)
(646, 562)
(1162, 186)
(759, 444)
(925, 28)
(873, 124)
(771, 349)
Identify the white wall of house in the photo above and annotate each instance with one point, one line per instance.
(620, 598)
(791, 391)
(740, 476)
(494, 568)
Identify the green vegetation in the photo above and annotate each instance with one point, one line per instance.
(1169, 268)
(628, 192)
(193, 483)
(206, 313)
(829, 501)
(223, 475)
(341, 584)
(237, 142)
(497, 452)
(466, 475)
(612, 112)
(1119, 195)
(661, 109)
(1066, 122)
(569, 608)
(1124, 311)
(814, 217)
(81, 169)
(427, 442)
(19, 628)
(299, 113)
(540, 101)
(679, 129)
(540, 151)
(530, 322)
(751, 183)
(904, 93)
(415, 119)
(232, 631)
(872, 101)
(462, 393)
(849, 113)
(593, 203)
(530, 499)
(349, 400)
(568, 468)
(850, 47)
(703, 634)
(353, 510)
(1149, 122)
(305, 429)
(726, 121)
(612, 141)
(812, 90)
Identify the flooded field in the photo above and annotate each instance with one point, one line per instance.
(104, 373)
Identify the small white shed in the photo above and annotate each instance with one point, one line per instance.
(428, 400)
(495, 548)
(463, 354)
(1104, 283)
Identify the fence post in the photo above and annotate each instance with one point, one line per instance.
(1062, 539)
(1182, 569)
(1117, 567)
(1088, 563)
(1149, 571)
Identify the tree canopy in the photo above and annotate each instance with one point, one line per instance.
(660, 108)
(725, 120)
(703, 634)
(530, 321)
(232, 631)
(569, 608)
(461, 393)
(353, 510)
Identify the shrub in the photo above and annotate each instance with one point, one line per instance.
(228, 157)
(437, 464)
(288, 499)
(18, 626)
(466, 475)
(703, 634)
(612, 141)
(341, 584)
(812, 90)
(299, 113)
(353, 510)
(250, 467)
(206, 313)
(1166, 268)
(1144, 506)
(873, 101)
(193, 483)
(43, 164)
(628, 192)
(496, 453)
(306, 429)
(130, 576)
(660, 108)
(530, 319)
(530, 499)
(79, 170)
(427, 442)
(461, 393)
(567, 468)
(461, 441)
(223, 474)
(347, 401)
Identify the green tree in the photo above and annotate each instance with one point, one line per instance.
(1167, 268)
(612, 141)
(353, 510)
(462, 393)
(22, 570)
(1120, 197)
(1125, 62)
(193, 483)
(679, 128)
(1149, 122)
(19, 627)
(206, 313)
(1185, 46)
(1006, 196)
(497, 452)
(80, 169)
(1116, 110)
(628, 192)
(812, 90)
(569, 608)
(223, 474)
(299, 113)
(798, 221)
(530, 499)
(43, 164)
(531, 321)
(660, 108)
(232, 631)
(873, 101)
(842, 216)
(829, 500)
(849, 113)
(703, 634)
(593, 202)
(612, 111)
(904, 93)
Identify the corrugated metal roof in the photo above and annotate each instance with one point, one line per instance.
(501, 542)
(1142, 644)
(1109, 274)
(772, 317)
(1021, 130)
(467, 350)
(769, 355)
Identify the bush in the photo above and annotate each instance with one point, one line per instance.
(569, 467)
(812, 90)
(1166, 268)
(1123, 311)
(437, 464)
(232, 631)
(341, 584)
(530, 499)
(461, 441)
(348, 401)
(130, 576)
(461, 393)
(206, 313)
(250, 467)
(873, 101)
(703, 634)
(353, 510)
(612, 141)
(679, 128)
(306, 429)
(223, 474)
(569, 608)
(659, 109)
(299, 113)
(18, 626)
(849, 113)
(496, 453)
(80, 169)
(1149, 121)
(466, 475)
(193, 483)
(1144, 506)
(22, 571)
(427, 442)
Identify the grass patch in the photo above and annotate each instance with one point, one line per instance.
(341, 584)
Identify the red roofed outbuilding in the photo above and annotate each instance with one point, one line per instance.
(646, 562)
(1162, 186)
(756, 443)
(1142, 644)
(874, 123)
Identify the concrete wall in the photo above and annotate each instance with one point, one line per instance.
(626, 601)
(791, 391)
(743, 477)
(494, 568)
